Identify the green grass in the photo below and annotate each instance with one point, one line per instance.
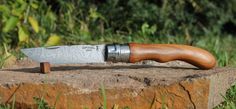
(230, 99)
(40, 102)
(103, 93)
(9, 106)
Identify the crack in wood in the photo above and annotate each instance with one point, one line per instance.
(145, 80)
(189, 95)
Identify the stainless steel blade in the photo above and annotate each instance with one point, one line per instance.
(67, 54)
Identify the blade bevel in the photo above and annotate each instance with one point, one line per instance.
(67, 54)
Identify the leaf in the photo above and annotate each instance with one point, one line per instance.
(10, 24)
(94, 14)
(23, 34)
(4, 9)
(84, 31)
(34, 23)
(20, 1)
(153, 29)
(19, 11)
(53, 40)
(34, 5)
(144, 27)
(147, 30)
(51, 16)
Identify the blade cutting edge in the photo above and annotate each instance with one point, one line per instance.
(67, 54)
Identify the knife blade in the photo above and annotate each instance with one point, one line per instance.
(132, 52)
(67, 54)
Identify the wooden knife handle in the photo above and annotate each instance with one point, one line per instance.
(170, 52)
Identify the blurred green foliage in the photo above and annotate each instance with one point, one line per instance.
(90, 20)
(33, 23)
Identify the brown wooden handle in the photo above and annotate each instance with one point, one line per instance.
(170, 52)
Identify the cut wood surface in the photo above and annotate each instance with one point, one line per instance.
(142, 85)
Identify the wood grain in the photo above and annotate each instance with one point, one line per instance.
(45, 67)
(170, 52)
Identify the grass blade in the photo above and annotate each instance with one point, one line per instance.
(103, 93)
